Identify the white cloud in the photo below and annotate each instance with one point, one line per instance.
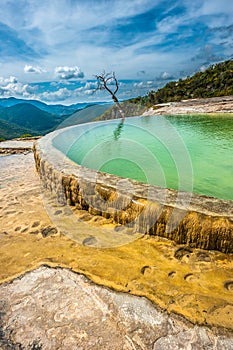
(17, 90)
(215, 7)
(89, 92)
(169, 24)
(63, 94)
(66, 72)
(5, 81)
(33, 69)
(12, 87)
(166, 75)
(91, 85)
(144, 85)
(139, 85)
(59, 95)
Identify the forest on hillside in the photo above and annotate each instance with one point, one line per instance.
(217, 80)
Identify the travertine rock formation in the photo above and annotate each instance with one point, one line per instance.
(200, 105)
(199, 221)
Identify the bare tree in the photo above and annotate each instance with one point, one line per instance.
(109, 82)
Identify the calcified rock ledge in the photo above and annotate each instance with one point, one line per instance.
(199, 221)
(200, 105)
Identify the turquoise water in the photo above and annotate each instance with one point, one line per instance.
(191, 153)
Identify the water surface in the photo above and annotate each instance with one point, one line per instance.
(189, 152)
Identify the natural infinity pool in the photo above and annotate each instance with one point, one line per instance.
(191, 153)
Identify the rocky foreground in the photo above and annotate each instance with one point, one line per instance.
(58, 309)
(46, 302)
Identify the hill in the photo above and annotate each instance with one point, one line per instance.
(56, 109)
(130, 109)
(30, 117)
(11, 130)
(25, 118)
(215, 81)
(86, 115)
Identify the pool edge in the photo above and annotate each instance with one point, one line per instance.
(196, 220)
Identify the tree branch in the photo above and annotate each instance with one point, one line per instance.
(104, 80)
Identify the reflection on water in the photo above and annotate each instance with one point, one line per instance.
(190, 153)
(117, 132)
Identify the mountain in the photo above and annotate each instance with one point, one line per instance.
(56, 109)
(86, 115)
(11, 101)
(25, 118)
(30, 117)
(11, 130)
(217, 80)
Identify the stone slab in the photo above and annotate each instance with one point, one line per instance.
(58, 309)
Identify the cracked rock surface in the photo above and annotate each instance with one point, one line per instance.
(51, 308)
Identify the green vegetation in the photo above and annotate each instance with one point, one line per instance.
(11, 130)
(25, 135)
(215, 81)
(29, 116)
(26, 119)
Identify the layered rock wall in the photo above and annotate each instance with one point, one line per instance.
(199, 221)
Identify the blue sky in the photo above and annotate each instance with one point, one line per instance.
(51, 49)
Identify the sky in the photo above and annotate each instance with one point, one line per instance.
(51, 50)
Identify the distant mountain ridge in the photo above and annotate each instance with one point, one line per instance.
(19, 116)
(56, 109)
(30, 117)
